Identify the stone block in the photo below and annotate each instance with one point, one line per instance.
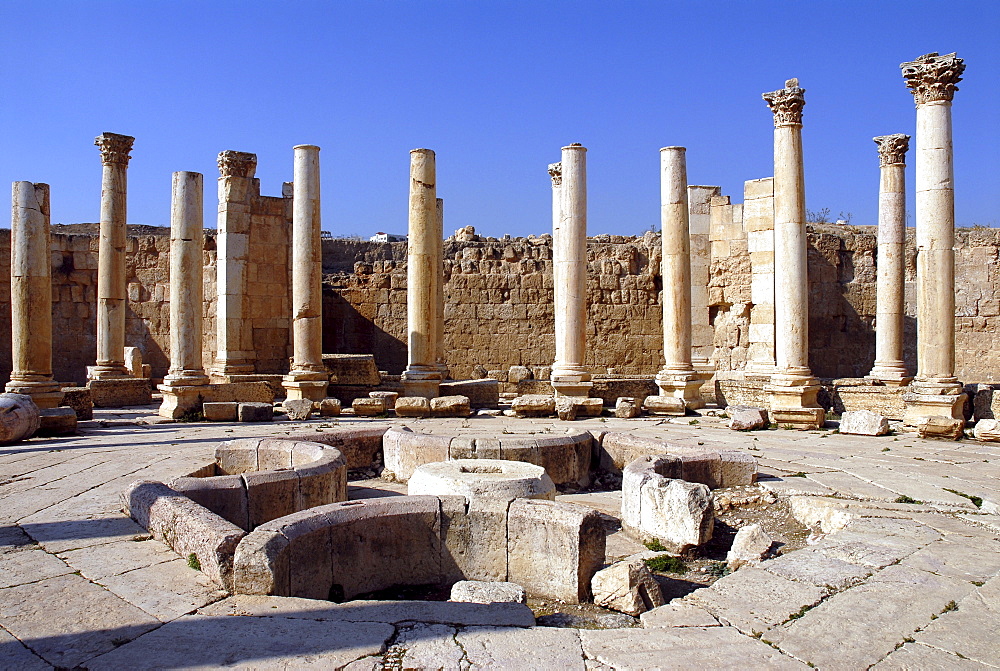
(627, 587)
(517, 373)
(298, 409)
(474, 538)
(476, 591)
(352, 369)
(664, 405)
(358, 444)
(566, 409)
(588, 407)
(389, 397)
(450, 406)
(255, 412)
(679, 514)
(750, 546)
(626, 408)
(864, 423)
(948, 428)
(554, 549)
(413, 406)
(987, 430)
(368, 407)
(481, 393)
(19, 418)
(260, 564)
(403, 450)
(80, 399)
(57, 422)
(224, 495)
(534, 405)
(121, 392)
(747, 418)
(220, 411)
(477, 479)
(329, 407)
(270, 494)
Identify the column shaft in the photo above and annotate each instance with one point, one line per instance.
(676, 263)
(439, 357)
(31, 296)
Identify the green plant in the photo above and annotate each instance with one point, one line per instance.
(655, 545)
(694, 421)
(666, 564)
(977, 501)
(800, 474)
(787, 427)
(950, 606)
(722, 415)
(903, 498)
(193, 562)
(192, 415)
(802, 611)
(718, 568)
(885, 449)
(978, 583)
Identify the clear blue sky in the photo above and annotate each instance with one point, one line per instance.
(495, 88)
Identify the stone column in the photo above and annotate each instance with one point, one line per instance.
(186, 378)
(678, 378)
(308, 378)
(234, 342)
(935, 391)
(111, 296)
(699, 227)
(889, 368)
(422, 376)
(569, 270)
(793, 388)
(31, 296)
(439, 357)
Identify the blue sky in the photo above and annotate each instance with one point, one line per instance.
(495, 88)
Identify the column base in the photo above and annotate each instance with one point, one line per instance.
(180, 400)
(793, 402)
(571, 385)
(45, 394)
(891, 375)
(933, 398)
(297, 388)
(185, 379)
(112, 371)
(225, 368)
(421, 380)
(685, 386)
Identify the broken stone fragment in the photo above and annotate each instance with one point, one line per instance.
(298, 409)
(451, 406)
(565, 408)
(534, 405)
(329, 407)
(412, 406)
(388, 396)
(627, 587)
(664, 405)
(940, 427)
(626, 408)
(987, 430)
(475, 591)
(368, 407)
(746, 418)
(864, 423)
(679, 514)
(750, 546)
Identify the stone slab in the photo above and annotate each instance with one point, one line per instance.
(166, 591)
(971, 629)
(13, 655)
(121, 393)
(535, 648)
(27, 566)
(678, 614)
(426, 646)
(919, 656)
(107, 559)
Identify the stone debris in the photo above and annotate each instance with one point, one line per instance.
(388, 396)
(864, 423)
(940, 427)
(751, 545)
(627, 408)
(298, 409)
(747, 418)
(80, 400)
(678, 514)
(220, 411)
(451, 406)
(57, 421)
(664, 405)
(476, 591)
(588, 407)
(987, 430)
(534, 405)
(517, 373)
(368, 407)
(412, 406)
(565, 408)
(627, 587)
(19, 418)
(255, 412)
(329, 407)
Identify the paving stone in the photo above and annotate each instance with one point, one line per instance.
(678, 614)
(536, 648)
(195, 641)
(916, 656)
(846, 484)
(794, 487)
(99, 561)
(67, 620)
(753, 600)
(969, 630)
(13, 655)
(427, 646)
(858, 627)
(977, 559)
(682, 648)
(26, 566)
(165, 591)
(13, 538)
(64, 535)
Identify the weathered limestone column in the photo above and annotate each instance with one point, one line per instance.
(569, 270)
(935, 391)
(234, 341)
(183, 383)
(422, 376)
(793, 388)
(699, 227)
(678, 377)
(31, 296)
(308, 377)
(889, 367)
(111, 296)
(439, 356)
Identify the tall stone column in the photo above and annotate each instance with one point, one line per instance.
(933, 81)
(793, 388)
(111, 296)
(31, 296)
(569, 271)
(889, 367)
(439, 357)
(422, 376)
(678, 377)
(186, 378)
(308, 378)
(234, 341)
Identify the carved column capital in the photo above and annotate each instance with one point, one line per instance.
(555, 172)
(237, 163)
(114, 148)
(933, 77)
(892, 149)
(787, 103)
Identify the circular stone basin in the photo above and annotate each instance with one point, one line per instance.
(478, 479)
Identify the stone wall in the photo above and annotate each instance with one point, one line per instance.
(499, 300)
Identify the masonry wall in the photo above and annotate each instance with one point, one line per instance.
(499, 301)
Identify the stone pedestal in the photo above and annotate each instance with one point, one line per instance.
(889, 367)
(933, 81)
(31, 296)
(793, 388)
(111, 296)
(678, 377)
(569, 272)
(422, 376)
(182, 384)
(308, 378)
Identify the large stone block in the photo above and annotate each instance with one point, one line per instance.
(80, 399)
(413, 406)
(554, 549)
(481, 393)
(747, 418)
(450, 406)
(352, 369)
(404, 450)
(255, 412)
(121, 392)
(474, 539)
(664, 405)
(864, 423)
(627, 587)
(534, 405)
(679, 514)
(358, 444)
(220, 411)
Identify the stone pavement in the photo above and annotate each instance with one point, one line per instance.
(883, 583)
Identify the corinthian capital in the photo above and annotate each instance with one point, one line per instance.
(555, 172)
(237, 163)
(933, 77)
(114, 148)
(787, 103)
(892, 148)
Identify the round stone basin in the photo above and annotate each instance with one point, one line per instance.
(479, 479)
